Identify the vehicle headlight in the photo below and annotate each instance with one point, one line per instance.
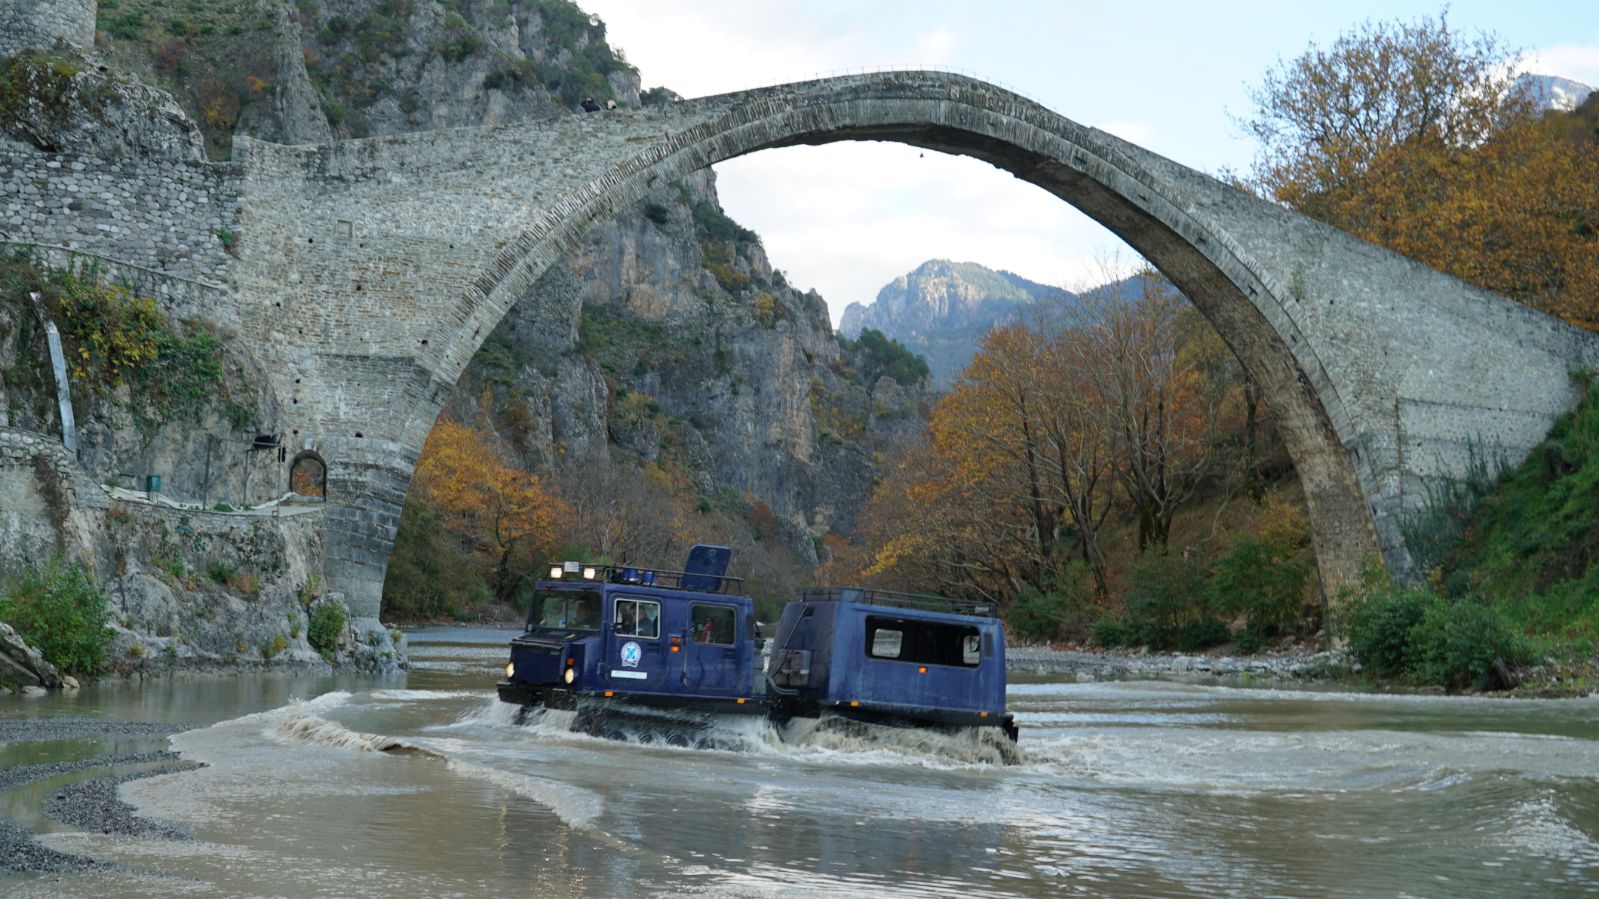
(510, 670)
(569, 675)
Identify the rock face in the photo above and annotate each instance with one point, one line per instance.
(62, 105)
(942, 309)
(21, 664)
(726, 372)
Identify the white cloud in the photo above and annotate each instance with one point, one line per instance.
(1578, 63)
(848, 218)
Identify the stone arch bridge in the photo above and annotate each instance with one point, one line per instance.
(368, 272)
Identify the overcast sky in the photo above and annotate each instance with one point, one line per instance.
(847, 218)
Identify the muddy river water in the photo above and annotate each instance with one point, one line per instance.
(1122, 789)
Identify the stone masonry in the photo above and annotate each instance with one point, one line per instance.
(40, 24)
(369, 272)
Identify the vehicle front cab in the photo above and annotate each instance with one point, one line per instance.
(562, 635)
(666, 639)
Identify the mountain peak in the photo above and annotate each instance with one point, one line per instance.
(1552, 91)
(941, 308)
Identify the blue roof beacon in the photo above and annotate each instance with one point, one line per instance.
(610, 640)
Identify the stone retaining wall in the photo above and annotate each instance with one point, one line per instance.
(167, 217)
(48, 504)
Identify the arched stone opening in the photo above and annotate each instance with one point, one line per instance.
(308, 477)
(1107, 180)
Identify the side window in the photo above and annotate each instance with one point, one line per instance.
(638, 618)
(923, 642)
(886, 643)
(711, 624)
(970, 650)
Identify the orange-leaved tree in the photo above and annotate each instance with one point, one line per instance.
(1413, 136)
(507, 518)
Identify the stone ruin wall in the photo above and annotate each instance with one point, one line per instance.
(40, 24)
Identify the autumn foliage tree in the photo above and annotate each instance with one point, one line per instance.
(1324, 116)
(1412, 136)
(1147, 372)
(505, 517)
(1050, 428)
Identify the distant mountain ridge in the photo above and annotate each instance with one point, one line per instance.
(1552, 91)
(943, 308)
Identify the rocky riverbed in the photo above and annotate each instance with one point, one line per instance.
(1305, 667)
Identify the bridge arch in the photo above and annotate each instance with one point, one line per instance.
(372, 271)
(1088, 169)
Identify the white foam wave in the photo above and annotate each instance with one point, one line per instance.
(422, 695)
(576, 807)
(318, 731)
(842, 741)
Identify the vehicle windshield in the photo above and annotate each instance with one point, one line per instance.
(565, 610)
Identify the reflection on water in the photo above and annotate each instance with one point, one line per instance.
(424, 785)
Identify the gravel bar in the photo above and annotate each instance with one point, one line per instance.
(1302, 667)
(28, 730)
(93, 805)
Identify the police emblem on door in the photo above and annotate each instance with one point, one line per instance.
(631, 653)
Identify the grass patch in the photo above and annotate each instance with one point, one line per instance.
(1532, 546)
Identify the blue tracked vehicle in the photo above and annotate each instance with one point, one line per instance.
(617, 642)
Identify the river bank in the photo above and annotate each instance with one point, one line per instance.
(1553, 679)
(1330, 667)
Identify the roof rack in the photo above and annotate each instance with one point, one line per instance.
(893, 599)
(661, 578)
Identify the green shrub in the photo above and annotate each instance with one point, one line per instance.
(657, 213)
(1197, 635)
(875, 354)
(1261, 582)
(1167, 603)
(60, 611)
(1251, 641)
(711, 223)
(430, 576)
(1461, 643)
(327, 622)
(272, 647)
(1055, 612)
(1412, 631)
(219, 571)
(1378, 621)
(1114, 633)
